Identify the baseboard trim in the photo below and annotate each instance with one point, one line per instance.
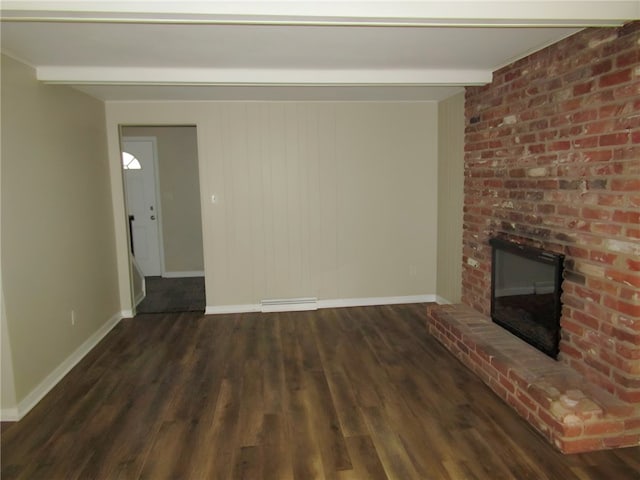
(190, 273)
(9, 414)
(333, 303)
(51, 380)
(139, 300)
(373, 301)
(223, 309)
(289, 307)
(442, 301)
(142, 295)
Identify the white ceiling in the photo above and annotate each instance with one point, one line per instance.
(300, 50)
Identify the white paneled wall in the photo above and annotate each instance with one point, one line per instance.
(328, 200)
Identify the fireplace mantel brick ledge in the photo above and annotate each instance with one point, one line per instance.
(574, 414)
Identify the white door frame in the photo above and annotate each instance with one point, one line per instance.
(156, 181)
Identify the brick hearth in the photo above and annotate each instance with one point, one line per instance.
(552, 160)
(571, 412)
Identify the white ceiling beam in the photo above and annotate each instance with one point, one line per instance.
(186, 76)
(424, 13)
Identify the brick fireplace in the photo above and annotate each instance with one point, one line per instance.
(552, 160)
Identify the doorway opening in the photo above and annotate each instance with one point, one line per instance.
(162, 201)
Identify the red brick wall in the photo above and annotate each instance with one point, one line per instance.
(552, 160)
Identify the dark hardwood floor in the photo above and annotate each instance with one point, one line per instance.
(354, 393)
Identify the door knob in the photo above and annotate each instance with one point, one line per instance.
(153, 217)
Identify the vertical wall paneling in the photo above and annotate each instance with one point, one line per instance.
(334, 200)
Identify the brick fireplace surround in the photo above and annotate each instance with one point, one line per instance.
(552, 160)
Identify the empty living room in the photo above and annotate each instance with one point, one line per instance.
(320, 240)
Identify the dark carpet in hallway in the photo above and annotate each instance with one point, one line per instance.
(169, 295)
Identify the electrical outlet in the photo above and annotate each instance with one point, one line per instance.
(73, 318)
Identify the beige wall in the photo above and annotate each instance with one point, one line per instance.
(179, 195)
(58, 249)
(8, 402)
(328, 200)
(450, 197)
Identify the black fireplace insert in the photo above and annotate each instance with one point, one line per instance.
(526, 286)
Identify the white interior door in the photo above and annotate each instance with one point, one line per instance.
(140, 186)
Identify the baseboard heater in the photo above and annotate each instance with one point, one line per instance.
(289, 304)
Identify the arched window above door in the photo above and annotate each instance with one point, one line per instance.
(129, 162)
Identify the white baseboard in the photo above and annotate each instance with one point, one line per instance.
(289, 307)
(221, 309)
(334, 303)
(372, 301)
(126, 314)
(9, 414)
(442, 301)
(142, 295)
(139, 300)
(51, 380)
(193, 273)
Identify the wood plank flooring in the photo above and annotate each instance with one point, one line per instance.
(354, 393)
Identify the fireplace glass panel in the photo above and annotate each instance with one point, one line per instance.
(526, 293)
